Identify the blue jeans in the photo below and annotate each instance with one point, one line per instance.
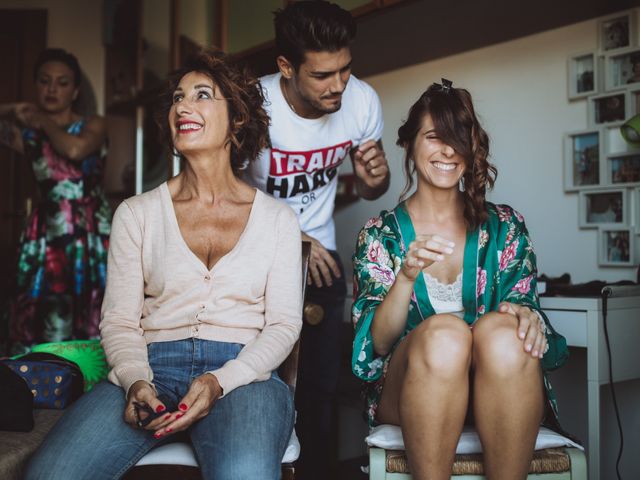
(244, 435)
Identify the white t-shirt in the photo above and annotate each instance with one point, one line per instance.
(302, 164)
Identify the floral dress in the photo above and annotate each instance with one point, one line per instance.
(63, 248)
(499, 265)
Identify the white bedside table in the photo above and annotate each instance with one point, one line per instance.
(580, 320)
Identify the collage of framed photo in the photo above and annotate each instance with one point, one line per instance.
(616, 31)
(607, 108)
(636, 210)
(583, 75)
(602, 208)
(582, 165)
(615, 247)
(598, 164)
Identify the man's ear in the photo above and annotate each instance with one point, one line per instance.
(285, 67)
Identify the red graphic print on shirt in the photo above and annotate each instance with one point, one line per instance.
(292, 173)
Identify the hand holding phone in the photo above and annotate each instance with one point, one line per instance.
(151, 414)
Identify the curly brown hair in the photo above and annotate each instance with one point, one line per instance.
(248, 120)
(456, 124)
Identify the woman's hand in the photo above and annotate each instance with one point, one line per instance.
(26, 114)
(142, 393)
(196, 404)
(423, 252)
(531, 328)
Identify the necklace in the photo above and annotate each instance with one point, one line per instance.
(283, 84)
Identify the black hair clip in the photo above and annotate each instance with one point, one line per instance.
(444, 88)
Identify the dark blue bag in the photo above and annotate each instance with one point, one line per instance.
(53, 381)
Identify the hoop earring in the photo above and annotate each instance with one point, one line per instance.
(461, 184)
(243, 165)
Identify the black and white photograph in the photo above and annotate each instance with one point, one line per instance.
(622, 69)
(609, 108)
(582, 75)
(615, 32)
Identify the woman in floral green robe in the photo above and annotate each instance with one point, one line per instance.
(494, 255)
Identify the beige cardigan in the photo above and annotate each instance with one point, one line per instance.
(158, 290)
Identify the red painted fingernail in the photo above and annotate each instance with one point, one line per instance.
(157, 435)
(169, 430)
(167, 417)
(178, 415)
(160, 408)
(183, 407)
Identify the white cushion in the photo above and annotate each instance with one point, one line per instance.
(181, 453)
(390, 437)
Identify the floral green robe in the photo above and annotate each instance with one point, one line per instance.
(499, 265)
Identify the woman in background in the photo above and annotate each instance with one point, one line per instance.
(448, 324)
(63, 248)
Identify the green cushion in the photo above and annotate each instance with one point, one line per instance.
(87, 354)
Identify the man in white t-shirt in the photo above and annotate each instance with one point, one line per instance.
(320, 114)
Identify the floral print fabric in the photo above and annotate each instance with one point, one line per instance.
(63, 248)
(499, 265)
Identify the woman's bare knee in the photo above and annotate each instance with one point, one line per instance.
(441, 345)
(497, 348)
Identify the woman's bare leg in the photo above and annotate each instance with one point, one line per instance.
(508, 401)
(426, 392)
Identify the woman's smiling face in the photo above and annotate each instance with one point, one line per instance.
(198, 117)
(437, 163)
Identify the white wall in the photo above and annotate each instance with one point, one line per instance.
(520, 92)
(76, 26)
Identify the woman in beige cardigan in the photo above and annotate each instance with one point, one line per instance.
(202, 303)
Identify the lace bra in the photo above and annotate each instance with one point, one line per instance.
(445, 297)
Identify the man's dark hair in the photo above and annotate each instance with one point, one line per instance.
(62, 56)
(315, 25)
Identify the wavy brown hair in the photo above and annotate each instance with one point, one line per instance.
(248, 120)
(456, 124)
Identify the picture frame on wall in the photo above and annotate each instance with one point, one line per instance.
(617, 31)
(608, 108)
(583, 75)
(624, 168)
(615, 247)
(604, 208)
(622, 68)
(636, 209)
(613, 140)
(582, 153)
(634, 100)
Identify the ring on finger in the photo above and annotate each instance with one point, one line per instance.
(542, 326)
